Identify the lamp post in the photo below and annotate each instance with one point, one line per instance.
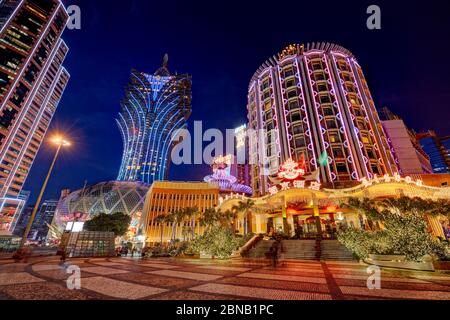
(59, 142)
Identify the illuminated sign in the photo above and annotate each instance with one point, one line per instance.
(298, 184)
(387, 179)
(290, 170)
(77, 227)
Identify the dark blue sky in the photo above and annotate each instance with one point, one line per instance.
(221, 44)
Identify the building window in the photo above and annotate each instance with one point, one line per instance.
(298, 129)
(341, 168)
(293, 105)
(325, 99)
(322, 87)
(375, 169)
(338, 153)
(331, 124)
(328, 111)
(292, 94)
(334, 137)
(300, 142)
(290, 83)
(295, 117)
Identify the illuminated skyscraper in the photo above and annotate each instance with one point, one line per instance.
(154, 109)
(436, 150)
(32, 81)
(314, 102)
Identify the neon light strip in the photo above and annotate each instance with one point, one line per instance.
(342, 119)
(367, 108)
(11, 16)
(306, 114)
(283, 105)
(166, 145)
(31, 55)
(351, 120)
(317, 114)
(33, 129)
(366, 112)
(24, 111)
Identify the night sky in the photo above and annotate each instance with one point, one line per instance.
(221, 44)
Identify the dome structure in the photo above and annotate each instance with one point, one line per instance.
(105, 197)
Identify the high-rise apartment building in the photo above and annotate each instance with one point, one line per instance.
(408, 154)
(446, 143)
(155, 107)
(433, 146)
(32, 81)
(43, 219)
(314, 103)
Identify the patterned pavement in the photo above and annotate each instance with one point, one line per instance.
(172, 279)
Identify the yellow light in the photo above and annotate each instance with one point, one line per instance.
(60, 141)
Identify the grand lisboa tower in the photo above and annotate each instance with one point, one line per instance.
(156, 106)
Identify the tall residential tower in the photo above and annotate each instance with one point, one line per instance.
(315, 104)
(155, 107)
(32, 81)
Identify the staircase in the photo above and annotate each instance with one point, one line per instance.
(304, 250)
(299, 249)
(334, 250)
(259, 251)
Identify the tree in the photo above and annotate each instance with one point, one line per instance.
(209, 218)
(176, 218)
(190, 213)
(161, 219)
(404, 228)
(217, 241)
(116, 222)
(244, 206)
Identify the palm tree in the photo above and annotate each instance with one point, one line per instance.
(209, 218)
(161, 219)
(190, 213)
(230, 216)
(244, 206)
(177, 218)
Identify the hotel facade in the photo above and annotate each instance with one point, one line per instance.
(32, 81)
(313, 103)
(166, 197)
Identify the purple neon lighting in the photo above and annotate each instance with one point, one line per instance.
(307, 132)
(352, 122)
(24, 112)
(284, 102)
(317, 106)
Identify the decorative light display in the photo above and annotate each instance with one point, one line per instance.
(389, 179)
(290, 170)
(223, 178)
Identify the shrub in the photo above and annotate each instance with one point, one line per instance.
(403, 235)
(217, 241)
(116, 222)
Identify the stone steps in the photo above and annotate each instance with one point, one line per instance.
(304, 250)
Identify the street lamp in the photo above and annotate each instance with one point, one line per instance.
(59, 142)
